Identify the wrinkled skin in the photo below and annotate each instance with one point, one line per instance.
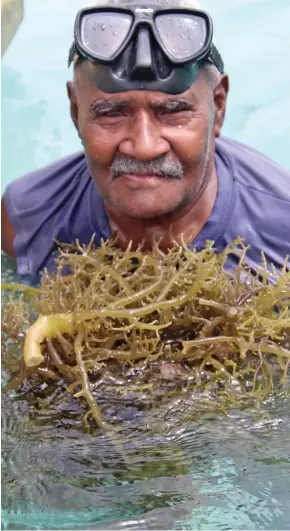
(145, 125)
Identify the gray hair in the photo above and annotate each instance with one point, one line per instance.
(211, 74)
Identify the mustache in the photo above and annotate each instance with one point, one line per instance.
(162, 166)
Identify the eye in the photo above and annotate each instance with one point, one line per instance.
(112, 114)
(171, 111)
(174, 116)
(175, 111)
(107, 114)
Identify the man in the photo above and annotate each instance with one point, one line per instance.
(148, 99)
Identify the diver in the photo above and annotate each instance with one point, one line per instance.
(148, 99)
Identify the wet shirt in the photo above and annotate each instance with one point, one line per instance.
(61, 202)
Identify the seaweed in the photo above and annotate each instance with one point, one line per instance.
(155, 322)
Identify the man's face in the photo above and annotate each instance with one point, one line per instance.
(149, 153)
(121, 131)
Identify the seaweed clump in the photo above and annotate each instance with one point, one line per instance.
(160, 322)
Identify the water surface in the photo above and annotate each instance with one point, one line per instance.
(179, 467)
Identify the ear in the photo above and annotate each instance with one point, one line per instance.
(220, 100)
(73, 103)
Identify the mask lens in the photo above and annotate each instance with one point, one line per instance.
(103, 33)
(183, 36)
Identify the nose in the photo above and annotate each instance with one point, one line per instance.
(142, 64)
(143, 141)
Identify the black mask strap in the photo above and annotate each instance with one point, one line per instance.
(216, 58)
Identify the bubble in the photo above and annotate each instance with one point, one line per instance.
(103, 27)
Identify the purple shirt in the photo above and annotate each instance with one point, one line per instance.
(61, 201)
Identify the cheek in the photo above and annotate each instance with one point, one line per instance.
(192, 143)
(100, 145)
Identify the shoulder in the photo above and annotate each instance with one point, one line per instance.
(38, 187)
(254, 170)
(53, 202)
(261, 206)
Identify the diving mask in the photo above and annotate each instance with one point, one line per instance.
(145, 47)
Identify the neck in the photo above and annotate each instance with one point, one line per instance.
(169, 230)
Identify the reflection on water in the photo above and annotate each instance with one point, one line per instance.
(192, 470)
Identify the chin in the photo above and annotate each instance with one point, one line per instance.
(149, 206)
(142, 200)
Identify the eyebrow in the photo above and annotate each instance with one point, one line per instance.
(174, 105)
(101, 107)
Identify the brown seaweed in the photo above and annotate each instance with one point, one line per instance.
(136, 320)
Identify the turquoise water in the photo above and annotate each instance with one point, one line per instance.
(253, 36)
(173, 466)
(216, 470)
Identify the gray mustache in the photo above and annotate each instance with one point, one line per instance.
(161, 166)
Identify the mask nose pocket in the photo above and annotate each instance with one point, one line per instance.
(142, 61)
